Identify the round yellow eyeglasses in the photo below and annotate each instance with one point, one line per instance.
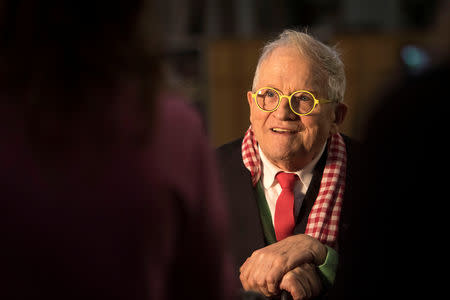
(301, 102)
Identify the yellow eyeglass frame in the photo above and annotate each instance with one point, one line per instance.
(280, 96)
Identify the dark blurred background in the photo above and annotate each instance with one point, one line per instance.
(212, 47)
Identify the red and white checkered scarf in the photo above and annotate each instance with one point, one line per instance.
(323, 221)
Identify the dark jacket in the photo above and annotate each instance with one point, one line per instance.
(246, 230)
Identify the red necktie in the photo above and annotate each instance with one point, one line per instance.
(284, 209)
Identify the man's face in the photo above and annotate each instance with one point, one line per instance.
(288, 140)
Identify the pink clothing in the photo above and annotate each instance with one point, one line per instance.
(133, 222)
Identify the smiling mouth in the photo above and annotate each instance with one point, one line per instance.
(283, 131)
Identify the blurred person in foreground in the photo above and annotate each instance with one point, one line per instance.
(396, 244)
(109, 189)
(288, 178)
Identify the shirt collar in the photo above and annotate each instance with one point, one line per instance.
(269, 170)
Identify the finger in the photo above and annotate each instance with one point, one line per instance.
(296, 284)
(313, 278)
(250, 265)
(244, 274)
(244, 282)
(244, 265)
(264, 269)
(251, 278)
(254, 271)
(272, 285)
(258, 282)
(296, 289)
(247, 270)
(275, 272)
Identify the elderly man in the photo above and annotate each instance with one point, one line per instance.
(286, 178)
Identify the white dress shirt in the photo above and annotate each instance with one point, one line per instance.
(272, 188)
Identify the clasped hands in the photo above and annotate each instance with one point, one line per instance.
(288, 265)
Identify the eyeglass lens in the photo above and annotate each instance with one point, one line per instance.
(301, 102)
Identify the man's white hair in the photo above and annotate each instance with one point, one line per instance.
(328, 68)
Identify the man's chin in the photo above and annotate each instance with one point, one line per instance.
(287, 158)
(282, 156)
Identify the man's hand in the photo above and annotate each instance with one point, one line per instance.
(263, 271)
(302, 282)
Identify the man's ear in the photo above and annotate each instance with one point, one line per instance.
(250, 99)
(340, 111)
(250, 104)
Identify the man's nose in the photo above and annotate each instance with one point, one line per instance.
(284, 111)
